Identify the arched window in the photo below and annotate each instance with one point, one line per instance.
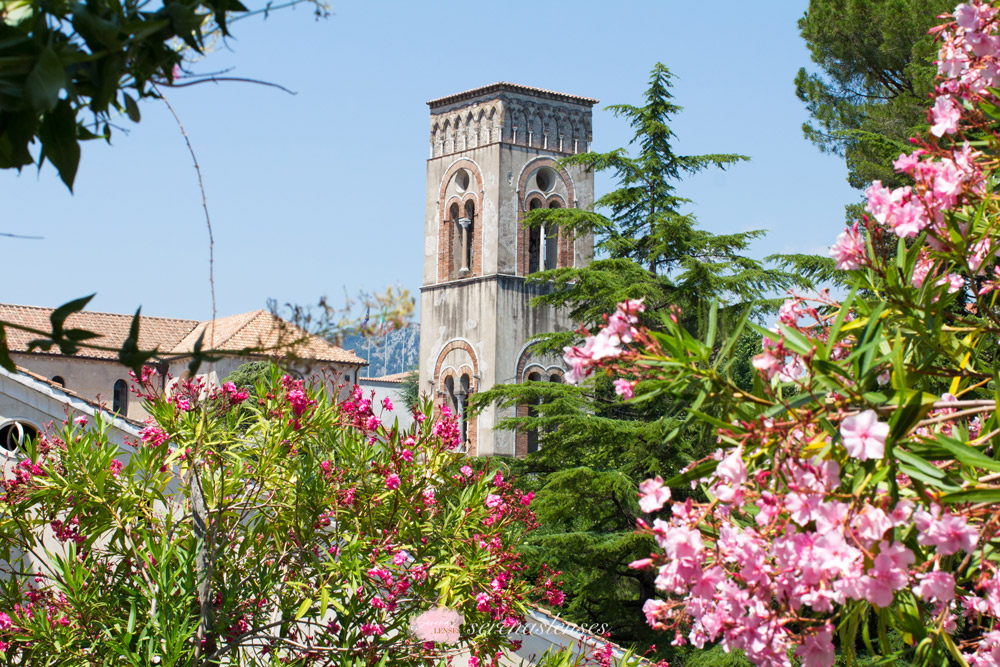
(120, 398)
(551, 233)
(463, 395)
(456, 235)
(58, 379)
(533, 412)
(13, 435)
(449, 388)
(534, 241)
(468, 234)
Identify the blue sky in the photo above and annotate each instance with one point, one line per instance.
(323, 191)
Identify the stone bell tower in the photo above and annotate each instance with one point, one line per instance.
(494, 153)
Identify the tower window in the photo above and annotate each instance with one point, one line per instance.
(468, 224)
(545, 179)
(120, 398)
(551, 233)
(456, 400)
(463, 395)
(534, 241)
(533, 412)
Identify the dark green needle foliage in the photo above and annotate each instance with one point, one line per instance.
(877, 69)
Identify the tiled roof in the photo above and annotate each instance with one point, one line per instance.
(154, 332)
(393, 378)
(257, 329)
(261, 330)
(512, 88)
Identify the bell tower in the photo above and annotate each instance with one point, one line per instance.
(494, 155)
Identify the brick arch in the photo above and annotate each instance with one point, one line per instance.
(555, 196)
(457, 344)
(442, 372)
(565, 241)
(446, 229)
(543, 161)
(524, 363)
(521, 370)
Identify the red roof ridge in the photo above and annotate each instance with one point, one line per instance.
(178, 320)
(254, 313)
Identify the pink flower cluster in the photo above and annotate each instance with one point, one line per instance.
(606, 344)
(769, 579)
(946, 174)
(849, 250)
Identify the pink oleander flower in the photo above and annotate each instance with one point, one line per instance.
(935, 586)
(954, 281)
(466, 470)
(945, 114)
(905, 164)
(887, 575)
(493, 500)
(625, 388)
(653, 495)
(392, 481)
(406, 455)
(864, 436)
(115, 467)
(947, 533)
(816, 649)
(387, 404)
(732, 475)
(849, 250)
(80, 420)
(921, 270)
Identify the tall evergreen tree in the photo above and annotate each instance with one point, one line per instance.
(595, 449)
(876, 64)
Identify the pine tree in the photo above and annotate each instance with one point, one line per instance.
(595, 449)
(877, 70)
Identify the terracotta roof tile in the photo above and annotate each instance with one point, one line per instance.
(261, 330)
(393, 378)
(154, 332)
(256, 329)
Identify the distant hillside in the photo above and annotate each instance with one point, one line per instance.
(395, 352)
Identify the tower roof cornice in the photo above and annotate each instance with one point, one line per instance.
(505, 87)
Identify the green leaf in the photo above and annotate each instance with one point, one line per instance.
(130, 355)
(5, 359)
(972, 496)
(59, 315)
(131, 108)
(902, 421)
(918, 463)
(59, 143)
(303, 608)
(46, 79)
(324, 601)
(969, 456)
(698, 472)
